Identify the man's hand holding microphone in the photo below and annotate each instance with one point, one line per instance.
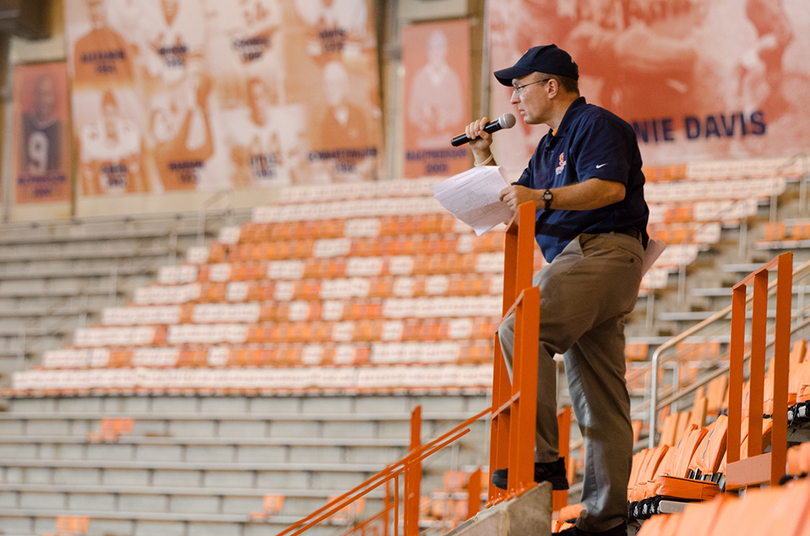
(479, 136)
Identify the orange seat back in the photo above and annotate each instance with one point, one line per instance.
(750, 515)
(791, 513)
(713, 447)
(698, 519)
(639, 459)
(656, 525)
(686, 449)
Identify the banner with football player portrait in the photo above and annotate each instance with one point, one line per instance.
(41, 134)
(196, 95)
(437, 97)
(697, 79)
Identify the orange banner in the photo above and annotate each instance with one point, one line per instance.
(697, 80)
(41, 134)
(437, 97)
(173, 95)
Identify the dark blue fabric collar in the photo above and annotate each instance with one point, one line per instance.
(570, 113)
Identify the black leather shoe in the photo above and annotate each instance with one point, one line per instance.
(553, 472)
(621, 530)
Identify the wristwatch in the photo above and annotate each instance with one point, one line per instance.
(548, 197)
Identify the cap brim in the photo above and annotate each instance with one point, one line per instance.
(505, 76)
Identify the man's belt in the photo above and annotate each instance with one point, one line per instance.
(630, 231)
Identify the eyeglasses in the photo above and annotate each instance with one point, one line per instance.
(518, 89)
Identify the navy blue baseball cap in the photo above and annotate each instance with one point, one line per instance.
(546, 59)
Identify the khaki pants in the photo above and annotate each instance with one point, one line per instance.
(585, 293)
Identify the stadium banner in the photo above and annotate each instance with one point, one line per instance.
(699, 79)
(201, 95)
(41, 134)
(437, 97)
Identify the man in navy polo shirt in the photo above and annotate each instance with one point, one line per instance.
(585, 180)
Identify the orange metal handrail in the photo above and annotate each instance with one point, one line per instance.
(474, 493)
(559, 498)
(382, 514)
(758, 467)
(413, 479)
(514, 404)
(392, 472)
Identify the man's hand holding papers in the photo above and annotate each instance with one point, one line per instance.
(473, 197)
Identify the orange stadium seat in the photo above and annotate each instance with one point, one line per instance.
(679, 214)
(657, 526)
(775, 231)
(678, 476)
(800, 231)
(72, 524)
(698, 519)
(636, 351)
(716, 394)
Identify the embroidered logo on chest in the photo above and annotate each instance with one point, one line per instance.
(561, 167)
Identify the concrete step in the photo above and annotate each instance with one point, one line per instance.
(33, 292)
(32, 237)
(528, 514)
(31, 257)
(329, 427)
(34, 521)
(260, 475)
(135, 524)
(9, 443)
(367, 406)
(173, 500)
(232, 451)
(12, 275)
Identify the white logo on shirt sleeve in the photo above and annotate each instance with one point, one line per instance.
(601, 165)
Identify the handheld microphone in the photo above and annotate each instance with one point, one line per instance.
(507, 120)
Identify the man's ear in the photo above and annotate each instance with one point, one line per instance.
(553, 87)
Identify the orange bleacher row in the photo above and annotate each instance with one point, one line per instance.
(688, 190)
(689, 462)
(634, 351)
(254, 232)
(250, 380)
(307, 210)
(302, 310)
(316, 289)
(686, 233)
(304, 248)
(410, 329)
(728, 210)
(282, 355)
(780, 511)
(795, 230)
(357, 190)
(400, 265)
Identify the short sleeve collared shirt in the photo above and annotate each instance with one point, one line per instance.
(590, 142)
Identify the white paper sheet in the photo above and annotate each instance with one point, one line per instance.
(472, 197)
(654, 250)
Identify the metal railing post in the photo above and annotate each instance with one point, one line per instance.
(413, 477)
(514, 406)
(758, 468)
(653, 424)
(657, 358)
